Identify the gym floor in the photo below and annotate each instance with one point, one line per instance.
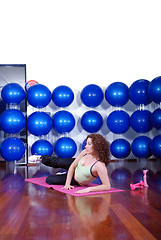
(31, 212)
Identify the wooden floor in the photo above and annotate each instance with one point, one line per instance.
(31, 212)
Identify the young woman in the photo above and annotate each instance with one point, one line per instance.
(90, 164)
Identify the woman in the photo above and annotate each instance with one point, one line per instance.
(90, 164)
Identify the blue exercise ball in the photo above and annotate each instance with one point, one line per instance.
(42, 147)
(155, 146)
(138, 92)
(154, 90)
(65, 147)
(12, 149)
(140, 121)
(62, 96)
(12, 121)
(120, 148)
(156, 119)
(92, 95)
(118, 122)
(13, 93)
(38, 96)
(140, 147)
(117, 94)
(63, 121)
(91, 121)
(39, 123)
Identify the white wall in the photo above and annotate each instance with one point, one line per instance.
(76, 43)
(94, 41)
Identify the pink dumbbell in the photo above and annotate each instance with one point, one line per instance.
(137, 185)
(141, 183)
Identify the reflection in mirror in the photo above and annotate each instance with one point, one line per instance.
(15, 73)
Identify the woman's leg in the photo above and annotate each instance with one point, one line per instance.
(59, 180)
(57, 162)
(56, 179)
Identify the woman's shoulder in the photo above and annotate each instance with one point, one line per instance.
(100, 164)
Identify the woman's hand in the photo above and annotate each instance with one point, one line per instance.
(39, 158)
(68, 187)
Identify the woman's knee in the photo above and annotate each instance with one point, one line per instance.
(56, 179)
(50, 180)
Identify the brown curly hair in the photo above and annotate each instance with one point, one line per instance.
(101, 147)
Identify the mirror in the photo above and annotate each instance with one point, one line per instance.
(15, 73)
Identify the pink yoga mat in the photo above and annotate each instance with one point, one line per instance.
(41, 181)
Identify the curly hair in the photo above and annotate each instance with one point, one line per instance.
(101, 147)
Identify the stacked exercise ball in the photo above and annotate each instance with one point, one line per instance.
(120, 148)
(118, 121)
(12, 149)
(12, 121)
(155, 146)
(154, 93)
(62, 96)
(138, 92)
(156, 119)
(91, 121)
(140, 121)
(13, 93)
(141, 147)
(63, 121)
(42, 147)
(38, 96)
(154, 90)
(116, 94)
(92, 95)
(141, 93)
(65, 147)
(39, 123)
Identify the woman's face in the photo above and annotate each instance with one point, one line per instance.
(89, 146)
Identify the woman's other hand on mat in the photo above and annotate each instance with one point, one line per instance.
(85, 190)
(68, 187)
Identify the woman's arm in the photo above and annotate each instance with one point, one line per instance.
(70, 175)
(102, 173)
(72, 170)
